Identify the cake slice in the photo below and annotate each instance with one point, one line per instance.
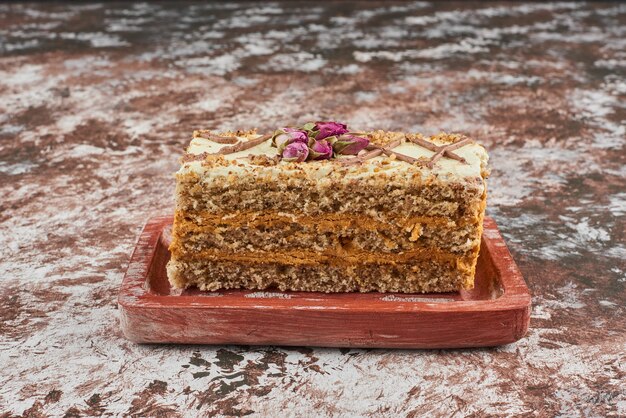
(318, 208)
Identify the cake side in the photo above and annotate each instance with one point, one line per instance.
(416, 228)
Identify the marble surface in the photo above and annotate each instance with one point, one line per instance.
(97, 102)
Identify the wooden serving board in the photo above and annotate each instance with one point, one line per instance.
(496, 311)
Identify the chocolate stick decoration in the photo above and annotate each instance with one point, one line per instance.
(439, 150)
(375, 151)
(435, 148)
(447, 148)
(241, 146)
(215, 138)
(222, 139)
(388, 150)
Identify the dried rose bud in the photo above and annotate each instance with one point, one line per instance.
(299, 134)
(286, 136)
(350, 144)
(326, 129)
(295, 152)
(321, 150)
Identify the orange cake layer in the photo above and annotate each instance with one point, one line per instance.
(275, 231)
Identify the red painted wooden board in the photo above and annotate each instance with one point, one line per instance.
(496, 311)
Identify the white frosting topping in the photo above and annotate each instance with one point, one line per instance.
(445, 168)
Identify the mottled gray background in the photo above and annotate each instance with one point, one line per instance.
(97, 102)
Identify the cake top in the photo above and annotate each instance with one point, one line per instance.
(324, 149)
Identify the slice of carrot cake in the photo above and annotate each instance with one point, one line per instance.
(321, 208)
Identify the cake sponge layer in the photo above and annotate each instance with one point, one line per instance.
(421, 276)
(260, 191)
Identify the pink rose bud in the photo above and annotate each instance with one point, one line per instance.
(350, 144)
(295, 152)
(321, 150)
(326, 129)
(286, 136)
(298, 135)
